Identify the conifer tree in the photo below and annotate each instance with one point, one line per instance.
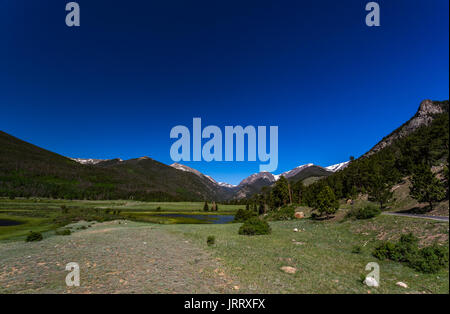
(280, 192)
(326, 201)
(426, 188)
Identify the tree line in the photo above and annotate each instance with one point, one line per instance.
(412, 156)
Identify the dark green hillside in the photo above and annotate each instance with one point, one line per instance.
(313, 171)
(422, 142)
(27, 170)
(427, 145)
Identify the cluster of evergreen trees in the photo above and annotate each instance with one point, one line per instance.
(411, 156)
(214, 207)
(30, 171)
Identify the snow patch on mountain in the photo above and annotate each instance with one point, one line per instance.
(196, 172)
(258, 176)
(338, 167)
(90, 161)
(226, 185)
(293, 172)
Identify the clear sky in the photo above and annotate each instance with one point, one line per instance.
(115, 86)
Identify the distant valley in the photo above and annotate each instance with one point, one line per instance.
(30, 171)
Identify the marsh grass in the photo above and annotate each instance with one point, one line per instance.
(47, 215)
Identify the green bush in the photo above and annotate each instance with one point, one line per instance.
(365, 212)
(430, 259)
(283, 213)
(63, 232)
(427, 260)
(211, 240)
(255, 226)
(243, 215)
(356, 249)
(34, 236)
(386, 250)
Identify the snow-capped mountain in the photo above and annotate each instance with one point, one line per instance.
(248, 186)
(266, 176)
(338, 167)
(196, 172)
(226, 185)
(88, 161)
(91, 161)
(255, 182)
(293, 172)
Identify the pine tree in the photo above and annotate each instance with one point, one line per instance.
(379, 190)
(280, 192)
(426, 188)
(326, 201)
(446, 176)
(297, 190)
(261, 209)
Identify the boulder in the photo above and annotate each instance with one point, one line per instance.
(402, 284)
(289, 269)
(299, 215)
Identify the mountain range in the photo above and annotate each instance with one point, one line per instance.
(28, 170)
(247, 187)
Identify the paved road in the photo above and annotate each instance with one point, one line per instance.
(438, 218)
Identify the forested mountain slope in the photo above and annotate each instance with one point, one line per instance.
(28, 170)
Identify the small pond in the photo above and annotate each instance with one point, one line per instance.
(7, 222)
(211, 219)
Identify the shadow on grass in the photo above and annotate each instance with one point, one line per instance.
(416, 210)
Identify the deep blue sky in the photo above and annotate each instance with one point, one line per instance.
(115, 86)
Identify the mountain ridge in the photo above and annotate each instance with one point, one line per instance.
(28, 170)
(423, 116)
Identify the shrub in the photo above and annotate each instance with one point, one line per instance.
(34, 236)
(386, 250)
(243, 215)
(366, 212)
(255, 226)
(356, 249)
(430, 259)
(427, 260)
(211, 240)
(284, 213)
(63, 232)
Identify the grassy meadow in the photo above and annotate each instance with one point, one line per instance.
(322, 252)
(46, 215)
(123, 256)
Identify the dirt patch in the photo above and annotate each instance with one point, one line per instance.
(126, 259)
(428, 232)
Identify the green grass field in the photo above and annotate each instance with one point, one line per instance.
(322, 252)
(40, 214)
